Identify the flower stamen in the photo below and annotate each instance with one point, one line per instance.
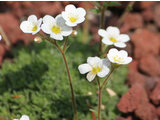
(118, 59)
(95, 70)
(34, 28)
(56, 29)
(112, 39)
(73, 19)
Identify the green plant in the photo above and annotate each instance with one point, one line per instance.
(37, 74)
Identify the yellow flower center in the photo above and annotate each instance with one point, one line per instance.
(118, 59)
(112, 39)
(56, 29)
(96, 70)
(34, 28)
(73, 19)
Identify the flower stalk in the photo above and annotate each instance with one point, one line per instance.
(127, 10)
(68, 74)
(100, 87)
(102, 27)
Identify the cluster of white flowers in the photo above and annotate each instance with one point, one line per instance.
(57, 27)
(24, 117)
(100, 67)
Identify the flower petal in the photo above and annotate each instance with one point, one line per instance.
(84, 68)
(24, 117)
(127, 60)
(71, 24)
(70, 8)
(114, 31)
(120, 44)
(112, 52)
(0, 37)
(91, 76)
(26, 27)
(80, 20)
(93, 61)
(106, 62)
(81, 11)
(123, 38)
(66, 31)
(45, 28)
(105, 70)
(32, 18)
(102, 33)
(106, 41)
(123, 53)
(47, 19)
(56, 36)
(39, 22)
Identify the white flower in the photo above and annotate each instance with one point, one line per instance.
(73, 15)
(0, 37)
(56, 27)
(118, 57)
(24, 117)
(95, 66)
(32, 25)
(112, 36)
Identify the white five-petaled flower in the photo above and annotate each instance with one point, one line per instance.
(56, 27)
(32, 25)
(112, 36)
(73, 15)
(118, 57)
(24, 117)
(95, 66)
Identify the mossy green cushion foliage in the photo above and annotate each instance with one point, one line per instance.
(38, 73)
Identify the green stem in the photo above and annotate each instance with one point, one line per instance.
(69, 78)
(127, 10)
(65, 43)
(107, 78)
(102, 27)
(99, 99)
(100, 87)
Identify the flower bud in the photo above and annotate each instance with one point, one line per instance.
(38, 39)
(74, 33)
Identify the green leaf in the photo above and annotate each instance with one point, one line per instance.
(95, 10)
(111, 4)
(97, 3)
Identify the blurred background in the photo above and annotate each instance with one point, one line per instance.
(30, 80)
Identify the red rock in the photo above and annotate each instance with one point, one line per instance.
(122, 118)
(133, 65)
(131, 100)
(136, 77)
(158, 111)
(147, 15)
(132, 21)
(145, 42)
(146, 4)
(150, 84)
(152, 28)
(146, 111)
(150, 65)
(155, 95)
(156, 14)
(51, 8)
